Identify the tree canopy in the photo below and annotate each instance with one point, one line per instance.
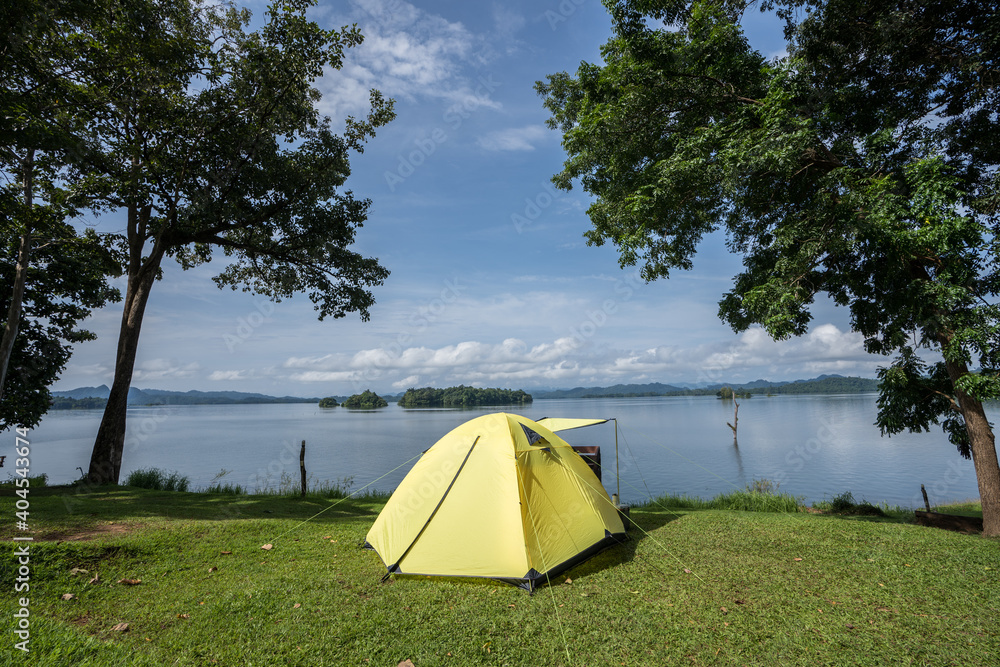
(863, 165)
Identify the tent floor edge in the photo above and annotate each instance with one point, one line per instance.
(537, 579)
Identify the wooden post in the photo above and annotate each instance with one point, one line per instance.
(927, 503)
(302, 467)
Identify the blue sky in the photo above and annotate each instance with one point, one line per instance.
(492, 283)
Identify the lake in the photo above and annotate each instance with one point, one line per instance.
(815, 446)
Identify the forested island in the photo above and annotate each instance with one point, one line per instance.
(366, 400)
(462, 396)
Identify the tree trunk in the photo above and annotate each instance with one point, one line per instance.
(20, 273)
(106, 458)
(984, 453)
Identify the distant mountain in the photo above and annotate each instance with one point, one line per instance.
(653, 389)
(824, 384)
(85, 392)
(138, 396)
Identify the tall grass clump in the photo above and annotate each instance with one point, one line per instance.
(225, 489)
(760, 495)
(291, 487)
(755, 501)
(155, 479)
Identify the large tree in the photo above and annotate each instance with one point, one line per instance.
(52, 274)
(210, 138)
(862, 165)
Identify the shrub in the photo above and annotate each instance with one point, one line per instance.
(844, 504)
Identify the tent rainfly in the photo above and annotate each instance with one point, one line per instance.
(501, 497)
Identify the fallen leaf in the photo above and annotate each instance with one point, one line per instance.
(511, 606)
(226, 553)
(724, 610)
(850, 627)
(183, 615)
(95, 580)
(213, 569)
(405, 663)
(267, 547)
(130, 582)
(77, 570)
(68, 596)
(121, 627)
(796, 559)
(296, 605)
(568, 581)
(328, 537)
(687, 571)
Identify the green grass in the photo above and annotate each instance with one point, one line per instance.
(761, 495)
(965, 508)
(706, 587)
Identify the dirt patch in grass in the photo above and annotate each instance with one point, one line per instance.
(89, 533)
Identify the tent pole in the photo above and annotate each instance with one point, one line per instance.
(618, 482)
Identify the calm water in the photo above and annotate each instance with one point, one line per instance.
(815, 446)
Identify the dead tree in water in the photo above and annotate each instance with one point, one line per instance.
(736, 419)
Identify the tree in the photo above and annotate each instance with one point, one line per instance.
(863, 166)
(64, 283)
(328, 402)
(209, 138)
(52, 276)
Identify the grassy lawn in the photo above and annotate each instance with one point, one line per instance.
(698, 587)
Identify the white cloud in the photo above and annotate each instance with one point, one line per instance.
(157, 369)
(407, 54)
(407, 382)
(574, 360)
(513, 139)
(226, 376)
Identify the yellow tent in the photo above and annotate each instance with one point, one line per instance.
(501, 497)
